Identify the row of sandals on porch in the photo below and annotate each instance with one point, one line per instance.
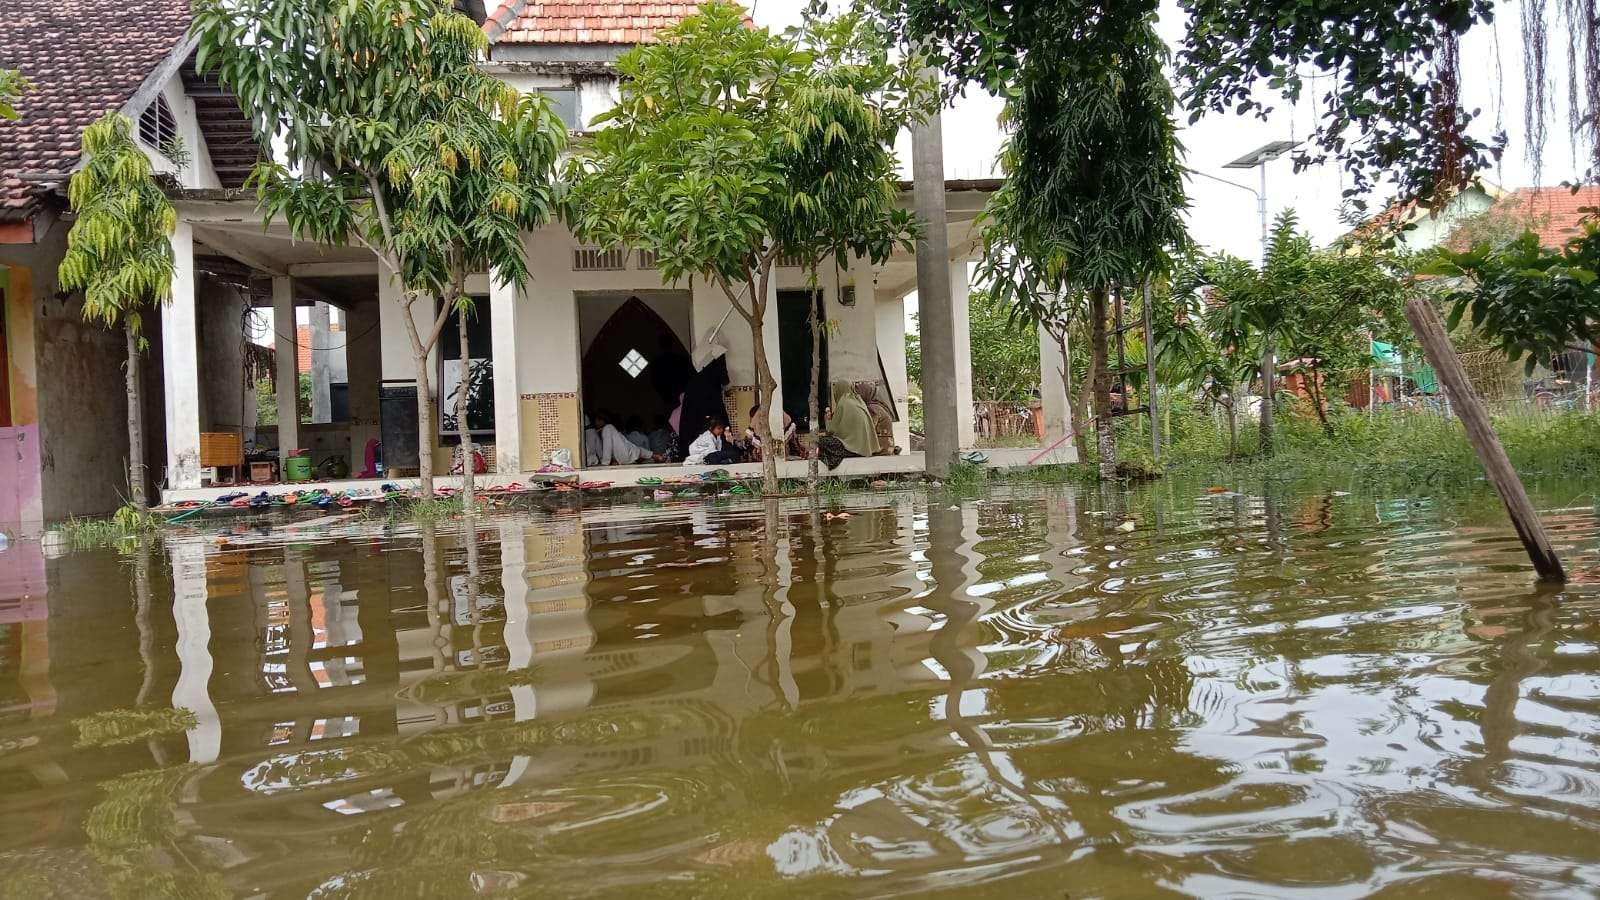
(857, 424)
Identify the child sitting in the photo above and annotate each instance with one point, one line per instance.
(709, 448)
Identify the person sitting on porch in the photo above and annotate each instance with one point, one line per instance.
(702, 396)
(709, 448)
(791, 441)
(850, 431)
(663, 439)
(882, 418)
(615, 449)
(635, 433)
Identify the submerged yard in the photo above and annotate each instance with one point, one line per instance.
(1190, 687)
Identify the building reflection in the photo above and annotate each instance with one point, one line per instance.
(365, 686)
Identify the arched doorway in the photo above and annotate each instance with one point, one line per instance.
(636, 365)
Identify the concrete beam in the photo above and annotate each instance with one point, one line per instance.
(334, 269)
(228, 246)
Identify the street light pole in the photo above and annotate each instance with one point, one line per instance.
(1258, 158)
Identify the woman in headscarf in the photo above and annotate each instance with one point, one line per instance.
(702, 396)
(882, 417)
(850, 431)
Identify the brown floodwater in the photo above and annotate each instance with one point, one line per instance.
(1283, 692)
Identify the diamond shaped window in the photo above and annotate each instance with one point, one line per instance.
(633, 363)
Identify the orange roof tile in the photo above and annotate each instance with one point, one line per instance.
(1555, 212)
(567, 22)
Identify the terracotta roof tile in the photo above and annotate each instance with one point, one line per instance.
(1554, 212)
(569, 22)
(83, 58)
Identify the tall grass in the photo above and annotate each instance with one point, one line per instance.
(1389, 446)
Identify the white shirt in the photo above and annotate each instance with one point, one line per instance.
(703, 446)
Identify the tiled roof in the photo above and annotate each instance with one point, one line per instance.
(566, 22)
(1554, 212)
(83, 58)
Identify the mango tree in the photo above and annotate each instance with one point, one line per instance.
(394, 140)
(731, 146)
(120, 257)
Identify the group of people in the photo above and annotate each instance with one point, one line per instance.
(857, 423)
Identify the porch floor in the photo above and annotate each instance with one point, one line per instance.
(628, 476)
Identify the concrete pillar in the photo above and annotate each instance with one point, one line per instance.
(1053, 398)
(364, 364)
(507, 392)
(286, 364)
(192, 647)
(321, 370)
(770, 337)
(942, 413)
(891, 313)
(960, 287)
(180, 358)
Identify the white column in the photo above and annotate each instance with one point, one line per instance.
(287, 367)
(363, 355)
(1053, 399)
(959, 289)
(321, 373)
(180, 358)
(770, 337)
(891, 312)
(192, 647)
(507, 390)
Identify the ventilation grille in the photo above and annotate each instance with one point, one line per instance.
(157, 126)
(594, 259)
(791, 261)
(647, 259)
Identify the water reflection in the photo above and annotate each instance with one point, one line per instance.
(1249, 692)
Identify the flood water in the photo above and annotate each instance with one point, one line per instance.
(1279, 692)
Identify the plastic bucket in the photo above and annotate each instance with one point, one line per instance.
(297, 468)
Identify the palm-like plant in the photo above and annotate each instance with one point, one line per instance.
(120, 256)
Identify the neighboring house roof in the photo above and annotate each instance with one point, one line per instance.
(302, 345)
(1556, 213)
(83, 58)
(566, 22)
(1397, 215)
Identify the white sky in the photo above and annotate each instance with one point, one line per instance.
(1225, 218)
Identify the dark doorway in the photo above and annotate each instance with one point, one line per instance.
(795, 309)
(636, 365)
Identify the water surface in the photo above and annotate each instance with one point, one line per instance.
(1277, 692)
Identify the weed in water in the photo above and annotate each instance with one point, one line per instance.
(125, 524)
(124, 726)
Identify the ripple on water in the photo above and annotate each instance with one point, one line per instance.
(1276, 692)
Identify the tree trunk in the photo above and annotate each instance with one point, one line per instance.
(137, 479)
(812, 411)
(468, 483)
(1314, 388)
(765, 386)
(1269, 390)
(424, 427)
(1104, 423)
(1233, 428)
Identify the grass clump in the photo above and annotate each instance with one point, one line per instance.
(1395, 448)
(125, 726)
(127, 523)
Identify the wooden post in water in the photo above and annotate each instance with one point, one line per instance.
(1458, 387)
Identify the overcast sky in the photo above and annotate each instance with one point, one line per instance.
(1225, 218)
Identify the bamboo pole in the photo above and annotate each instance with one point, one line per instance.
(1496, 465)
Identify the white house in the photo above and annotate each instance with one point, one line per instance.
(583, 335)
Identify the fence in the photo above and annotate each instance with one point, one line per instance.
(1003, 424)
(1569, 383)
